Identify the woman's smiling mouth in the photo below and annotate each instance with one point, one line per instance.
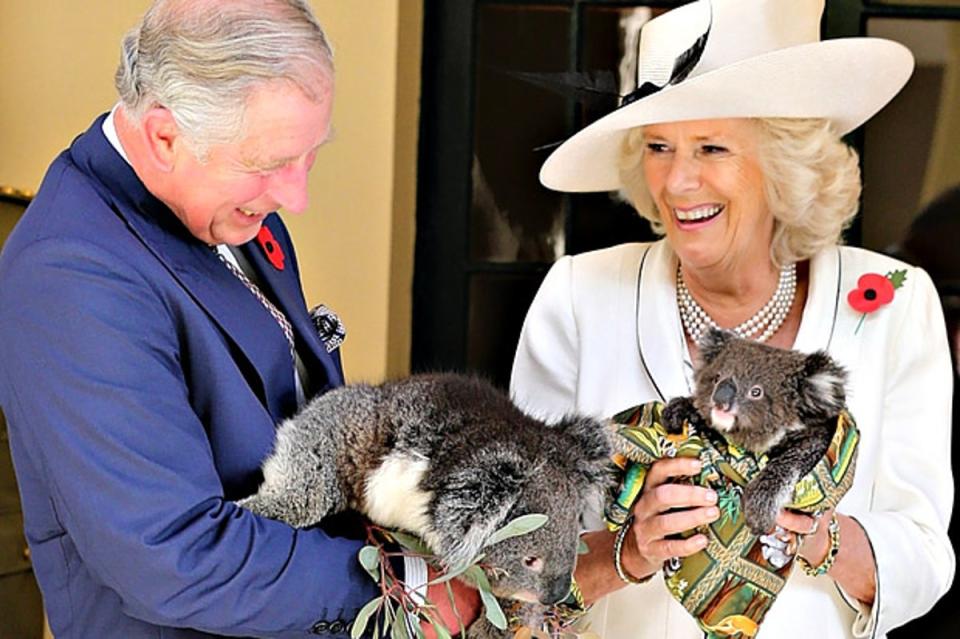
(697, 215)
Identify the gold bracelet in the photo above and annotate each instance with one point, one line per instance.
(618, 555)
(815, 571)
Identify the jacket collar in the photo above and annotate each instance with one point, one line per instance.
(659, 332)
(198, 270)
(288, 296)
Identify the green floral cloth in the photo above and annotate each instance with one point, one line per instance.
(730, 585)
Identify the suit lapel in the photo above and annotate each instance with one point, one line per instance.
(258, 345)
(288, 297)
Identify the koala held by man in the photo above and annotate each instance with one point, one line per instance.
(450, 459)
(766, 400)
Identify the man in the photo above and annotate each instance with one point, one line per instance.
(150, 347)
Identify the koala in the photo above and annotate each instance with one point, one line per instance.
(450, 459)
(769, 401)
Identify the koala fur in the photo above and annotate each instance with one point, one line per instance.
(766, 400)
(448, 458)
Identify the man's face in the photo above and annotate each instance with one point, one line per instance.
(225, 199)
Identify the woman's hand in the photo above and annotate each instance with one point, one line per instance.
(663, 510)
(646, 545)
(816, 539)
(854, 568)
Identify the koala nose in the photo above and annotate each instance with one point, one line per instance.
(555, 589)
(724, 394)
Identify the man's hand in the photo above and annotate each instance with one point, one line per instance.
(461, 612)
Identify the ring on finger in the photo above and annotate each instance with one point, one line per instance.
(817, 516)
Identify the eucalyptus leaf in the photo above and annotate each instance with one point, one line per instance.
(476, 576)
(369, 557)
(389, 613)
(462, 631)
(520, 526)
(399, 628)
(493, 610)
(441, 630)
(455, 571)
(363, 617)
(411, 542)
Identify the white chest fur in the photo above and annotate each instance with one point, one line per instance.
(393, 495)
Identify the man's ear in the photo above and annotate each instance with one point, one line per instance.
(162, 138)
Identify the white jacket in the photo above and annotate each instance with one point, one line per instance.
(603, 334)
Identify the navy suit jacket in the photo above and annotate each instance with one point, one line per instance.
(142, 384)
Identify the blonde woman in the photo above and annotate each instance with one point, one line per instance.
(733, 153)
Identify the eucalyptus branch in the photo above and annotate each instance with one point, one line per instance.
(395, 603)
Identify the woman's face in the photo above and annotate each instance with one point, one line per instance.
(705, 179)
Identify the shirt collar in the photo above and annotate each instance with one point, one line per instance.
(110, 131)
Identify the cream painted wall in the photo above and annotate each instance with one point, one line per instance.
(355, 242)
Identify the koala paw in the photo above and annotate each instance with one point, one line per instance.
(483, 629)
(676, 412)
(762, 502)
(270, 508)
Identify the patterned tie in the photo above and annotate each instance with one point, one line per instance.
(278, 315)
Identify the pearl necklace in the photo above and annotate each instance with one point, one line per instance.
(763, 324)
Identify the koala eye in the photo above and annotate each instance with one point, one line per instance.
(756, 392)
(533, 563)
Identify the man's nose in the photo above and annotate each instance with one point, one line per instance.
(289, 187)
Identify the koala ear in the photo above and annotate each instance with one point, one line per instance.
(712, 343)
(589, 447)
(821, 386)
(474, 500)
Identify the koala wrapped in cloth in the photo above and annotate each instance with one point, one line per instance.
(729, 585)
(450, 459)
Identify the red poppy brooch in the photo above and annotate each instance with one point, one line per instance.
(873, 291)
(270, 247)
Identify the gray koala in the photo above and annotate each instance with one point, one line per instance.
(766, 400)
(448, 458)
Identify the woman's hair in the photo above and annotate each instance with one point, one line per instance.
(811, 184)
(202, 60)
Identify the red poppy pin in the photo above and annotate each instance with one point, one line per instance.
(270, 247)
(873, 291)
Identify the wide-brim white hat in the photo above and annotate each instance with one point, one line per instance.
(730, 59)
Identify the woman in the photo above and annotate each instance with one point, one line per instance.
(734, 154)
